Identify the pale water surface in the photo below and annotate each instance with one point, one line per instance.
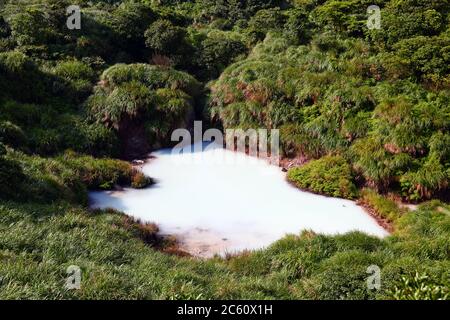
(218, 201)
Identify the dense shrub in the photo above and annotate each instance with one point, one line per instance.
(21, 79)
(263, 21)
(129, 22)
(341, 16)
(67, 177)
(408, 18)
(139, 180)
(297, 28)
(334, 95)
(420, 287)
(381, 206)
(11, 176)
(358, 241)
(298, 257)
(330, 175)
(234, 10)
(162, 36)
(99, 173)
(165, 38)
(143, 103)
(343, 277)
(217, 53)
(12, 135)
(78, 78)
(34, 26)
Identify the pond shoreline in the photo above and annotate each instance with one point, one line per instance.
(223, 209)
(285, 164)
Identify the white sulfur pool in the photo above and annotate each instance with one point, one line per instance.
(217, 201)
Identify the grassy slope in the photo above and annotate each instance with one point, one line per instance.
(39, 242)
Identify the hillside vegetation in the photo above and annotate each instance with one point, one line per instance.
(369, 110)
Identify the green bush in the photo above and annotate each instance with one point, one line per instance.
(66, 177)
(129, 21)
(12, 135)
(100, 141)
(139, 180)
(21, 78)
(297, 28)
(341, 16)
(301, 257)
(330, 175)
(425, 182)
(76, 78)
(342, 277)
(420, 287)
(217, 53)
(264, 21)
(232, 10)
(410, 18)
(165, 38)
(381, 206)
(358, 241)
(33, 26)
(11, 177)
(143, 103)
(98, 173)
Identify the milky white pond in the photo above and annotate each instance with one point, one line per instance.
(217, 201)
